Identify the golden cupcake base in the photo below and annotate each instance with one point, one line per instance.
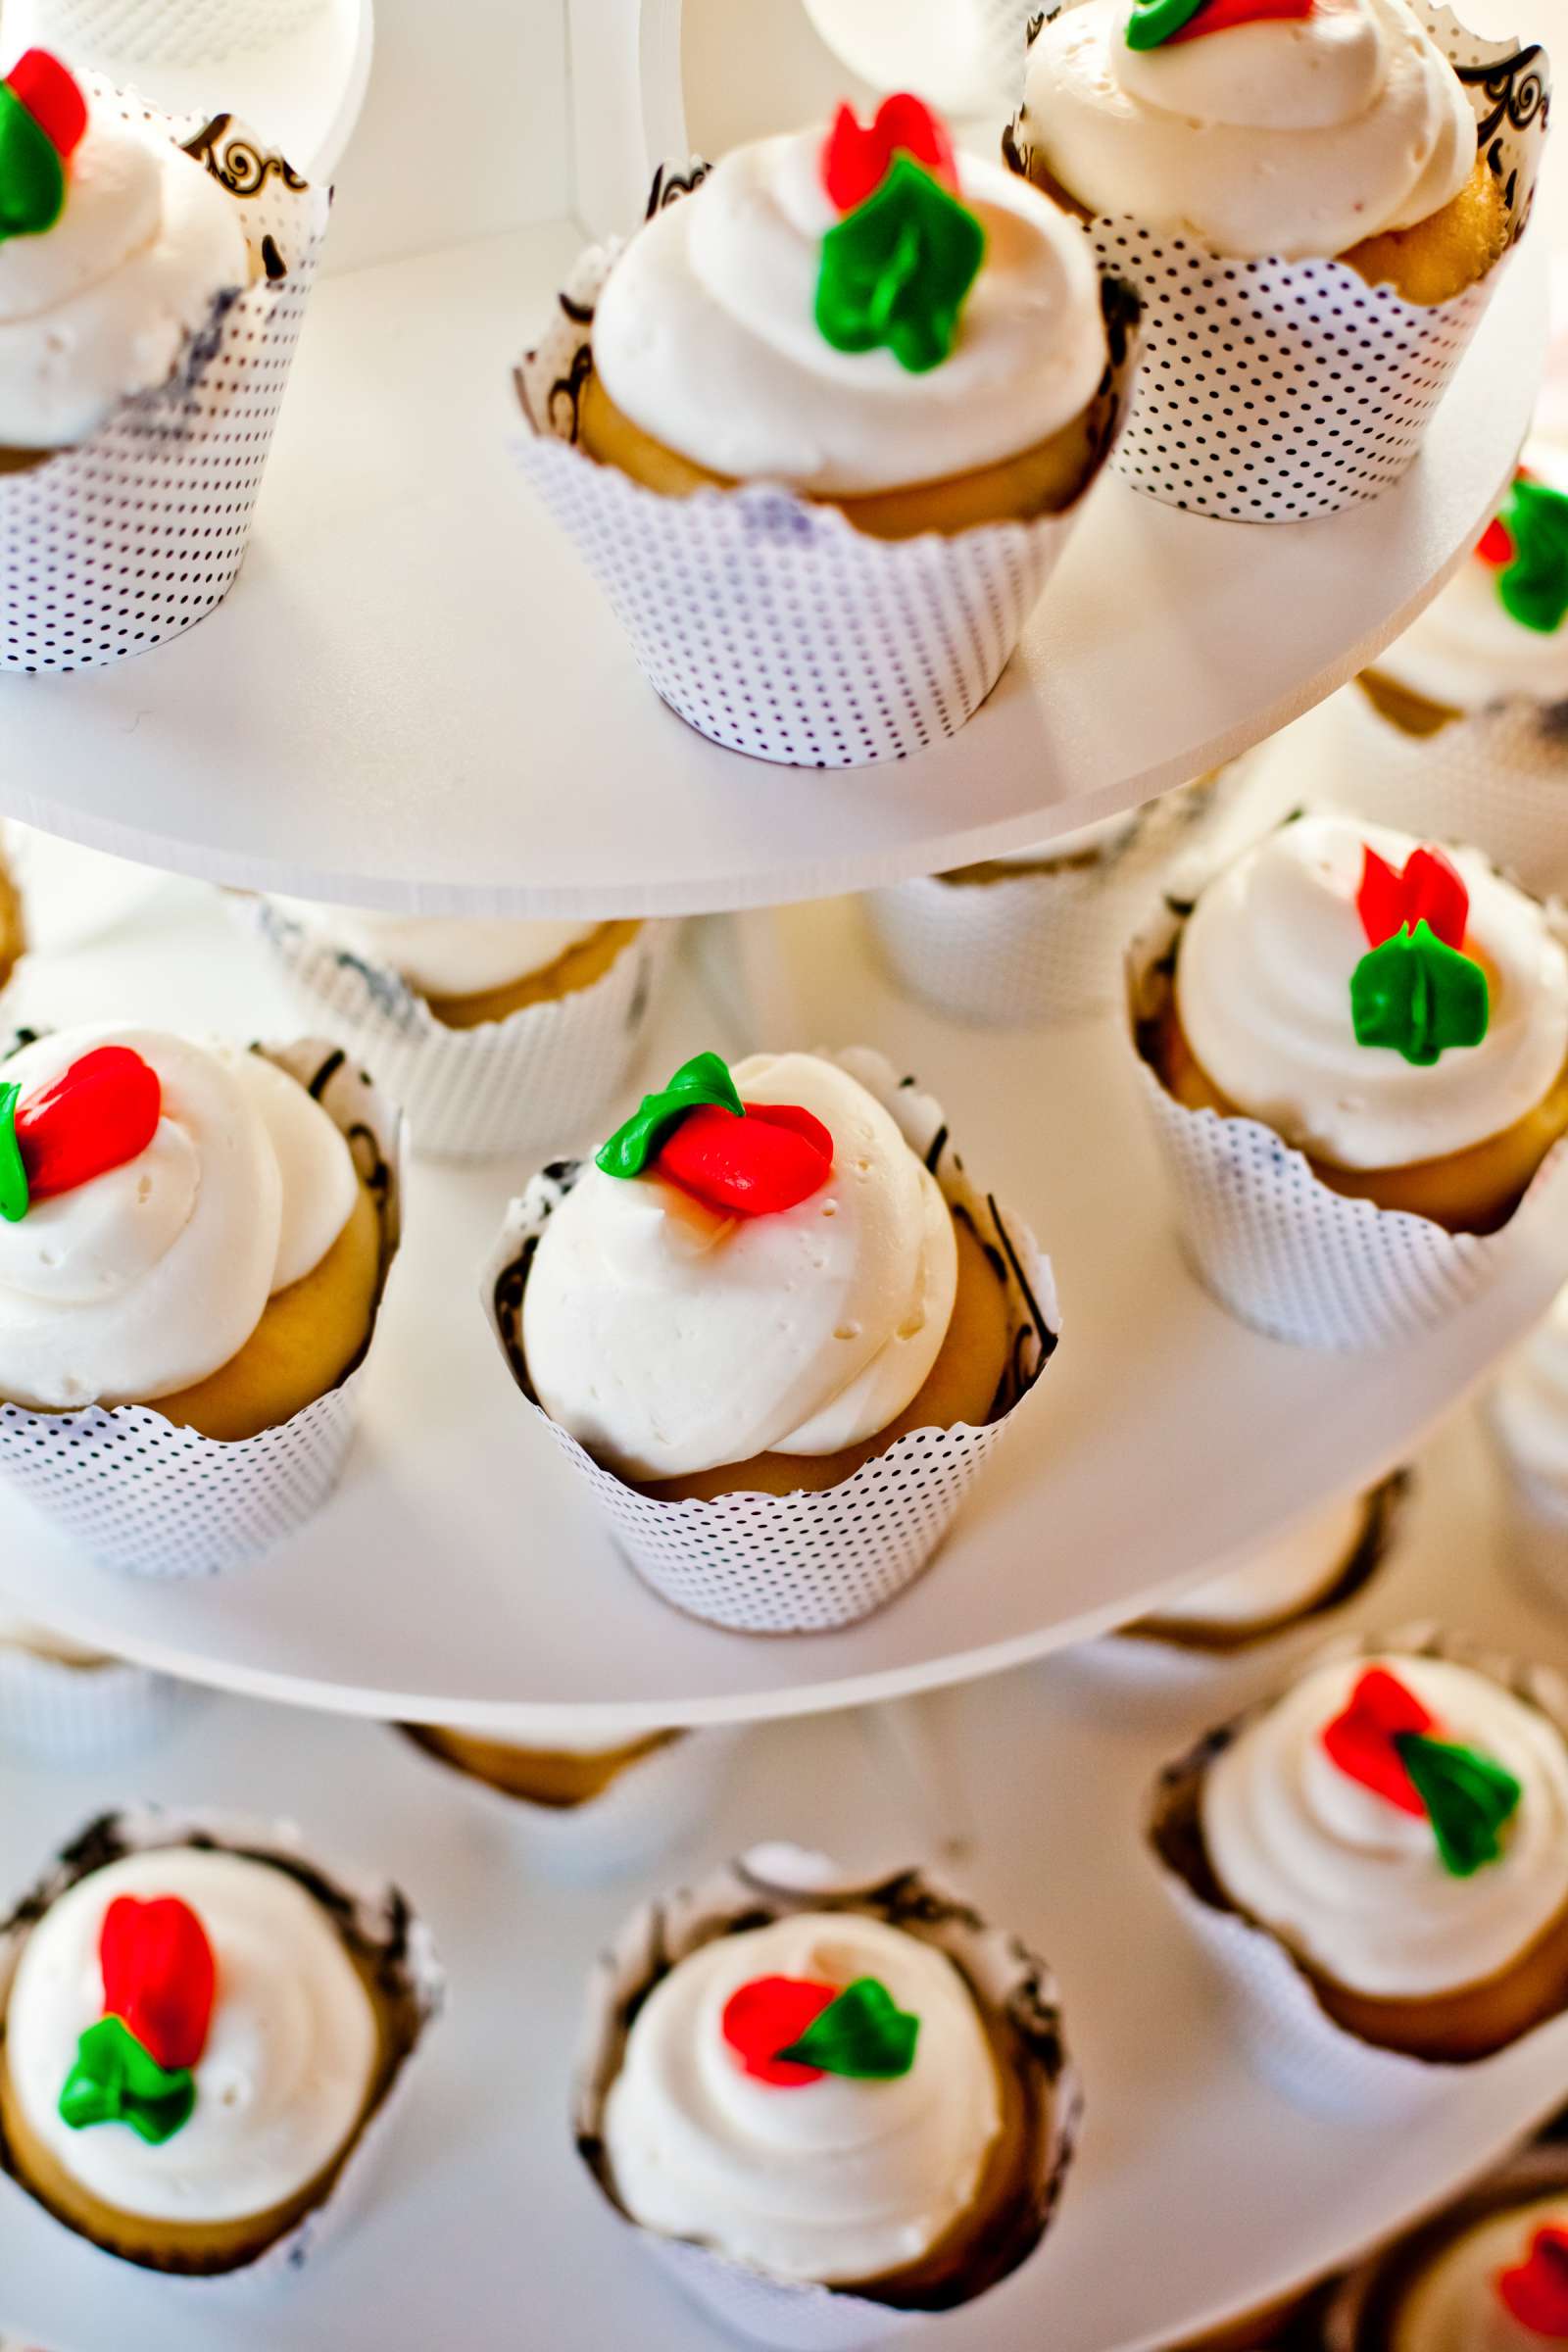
(577, 970)
(559, 1778)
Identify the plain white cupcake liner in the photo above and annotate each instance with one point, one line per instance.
(1534, 1519)
(650, 1808)
(805, 1562)
(1006, 948)
(56, 1711)
(1014, 1988)
(145, 1496)
(374, 1916)
(1268, 1239)
(136, 533)
(1270, 390)
(166, 32)
(482, 1093)
(767, 621)
(1287, 2036)
(1360, 2308)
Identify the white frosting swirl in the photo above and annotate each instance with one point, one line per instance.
(290, 2056)
(1530, 1405)
(1452, 2305)
(670, 1340)
(100, 307)
(836, 2180)
(1287, 1575)
(1355, 1884)
(149, 1277)
(438, 955)
(706, 335)
(1289, 138)
(1263, 990)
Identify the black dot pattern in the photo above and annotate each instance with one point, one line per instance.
(1497, 778)
(134, 535)
(150, 32)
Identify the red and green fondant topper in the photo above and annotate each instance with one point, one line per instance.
(1526, 544)
(1161, 24)
(744, 1159)
(791, 2031)
(97, 1114)
(1534, 2291)
(898, 264)
(1384, 1739)
(42, 116)
(1415, 991)
(135, 2065)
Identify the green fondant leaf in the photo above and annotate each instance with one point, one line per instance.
(1534, 587)
(1418, 996)
(896, 271)
(864, 2033)
(14, 1195)
(115, 2081)
(1467, 1797)
(704, 1080)
(32, 178)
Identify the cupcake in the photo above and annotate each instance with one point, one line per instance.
(150, 295)
(1316, 1566)
(492, 1034)
(778, 1330)
(65, 1702)
(1378, 1858)
(1526, 1412)
(823, 2107)
(1488, 2275)
(1309, 195)
(1354, 1050)
(200, 2028)
(834, 407)
(192, 1261)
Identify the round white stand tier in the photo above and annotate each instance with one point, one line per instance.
(1199, 2193)
(461, 1574)
(415, 697)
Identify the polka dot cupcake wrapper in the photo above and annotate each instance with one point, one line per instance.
(1014, 949)
(56, 1712)
(396, 1941)
(477, 1094)
(1011, 1985)
(1281, 1251)
(770, 624)
(1272, 390)
(166, 32)
(807, 1562)
(1287, 2036)
(135, 534)
(145, 1496)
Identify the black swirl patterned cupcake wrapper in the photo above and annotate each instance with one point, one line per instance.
(767, 621)
(1272, 390)
(135, 534)
(1014, 1988)
(808, 1562)
(145, 1496)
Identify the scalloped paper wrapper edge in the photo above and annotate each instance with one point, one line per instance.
(1534, 2172)
(1289, 2037)
(1271, 1243)
(54, 1713)
(482, 1093)
(1025, 947)
(1010, 1982)
(768, 622)
(172, 32)
(649, 1810)
(1230, 414)
(805, 1562)
(120, 505)
(385, 1922)
(154, 1500)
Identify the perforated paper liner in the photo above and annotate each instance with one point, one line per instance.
(138, 532)
(477, 1094)
(56, 1712)
(1270, 390)
(1014, 1988)
(648, 1809)
(1358, 2317)
(771, 623)
(803, 1563)
(374, 1916)
(1268, 1239)
(1006, 946)
(166, 32)
(1288, 2036)
(1535, 1518)
(156, 1500)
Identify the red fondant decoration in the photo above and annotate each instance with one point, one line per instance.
(51, 97)
(1430, 889)
(1495, 544)
(159, 1976)
(856, 158)
(766, 2016)
(96, 1115)
(1534, 2291)
(1361, 1739)
(1223, 16)
(774, 1157)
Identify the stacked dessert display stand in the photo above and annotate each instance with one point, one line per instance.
(416, 698)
